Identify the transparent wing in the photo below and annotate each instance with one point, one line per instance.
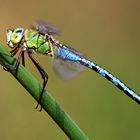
(66, 69)
(45, 27)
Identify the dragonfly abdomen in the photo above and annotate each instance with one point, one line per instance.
(119, 84)
(68, 54)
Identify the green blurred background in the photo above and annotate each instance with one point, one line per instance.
(108, 32)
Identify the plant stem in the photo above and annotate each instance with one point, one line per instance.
(32, 85)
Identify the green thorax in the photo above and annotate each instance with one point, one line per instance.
(37, 41)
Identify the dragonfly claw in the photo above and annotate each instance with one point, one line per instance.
(38, 106)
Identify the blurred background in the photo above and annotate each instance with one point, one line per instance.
(108, 32)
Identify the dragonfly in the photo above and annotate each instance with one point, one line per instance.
(67, 62)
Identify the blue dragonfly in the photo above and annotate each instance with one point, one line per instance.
(67, 61)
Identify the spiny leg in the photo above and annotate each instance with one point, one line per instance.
(18, 60)
(43, 74)
(14, 51)
(20, 56)
(23, 59)
(40, 69)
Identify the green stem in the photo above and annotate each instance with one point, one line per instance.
(32, 85)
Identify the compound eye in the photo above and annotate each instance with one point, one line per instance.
(18, 32)
(17, 35)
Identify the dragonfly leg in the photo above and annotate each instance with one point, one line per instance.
(21, 55)
(43, 74)
(18, 59)
(14, 51)
(23, 59)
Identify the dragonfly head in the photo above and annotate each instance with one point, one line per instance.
(14, 36)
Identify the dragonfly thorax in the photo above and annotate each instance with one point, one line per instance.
(39, 42)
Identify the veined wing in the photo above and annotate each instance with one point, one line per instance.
(45, 27)
(66, 69)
